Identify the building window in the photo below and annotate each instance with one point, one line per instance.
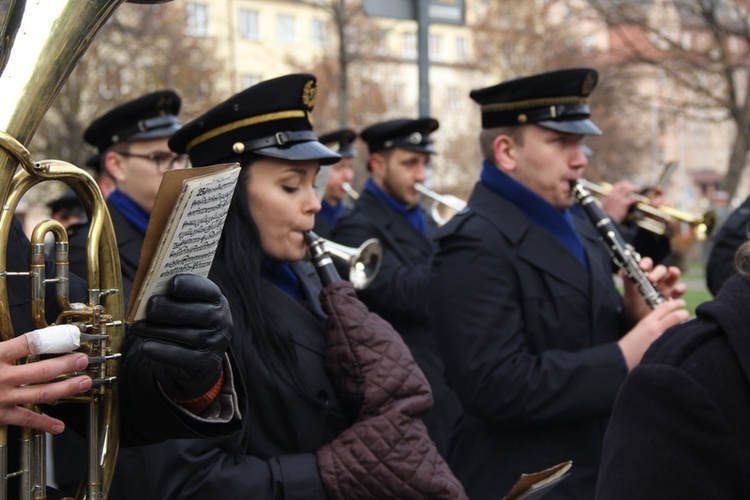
(249, 24)
(435, 47)
(381, 42)
(398, 92)
(319, 33)
(250, 80)
(589, 43)
(409, 48)
(285, 29)
(197, 19)
(453, 99)
(462, 49)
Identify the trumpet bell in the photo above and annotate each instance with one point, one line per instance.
(363, 262)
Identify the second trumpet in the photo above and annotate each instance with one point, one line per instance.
(657, 219)
(454, 203)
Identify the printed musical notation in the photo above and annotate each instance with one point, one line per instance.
(186, 240)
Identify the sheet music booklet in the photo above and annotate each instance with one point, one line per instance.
(183, 231)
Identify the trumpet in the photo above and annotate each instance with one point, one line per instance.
(353, 194)
(454, 203)
(657, 219)
(363, 262)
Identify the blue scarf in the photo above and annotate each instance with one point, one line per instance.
(413, 215)
(129, 209)
(557, 222)
(331, 213)
(281, 274)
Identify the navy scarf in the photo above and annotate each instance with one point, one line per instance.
(329, 212)
(413, 215)
(129, 209)
(557, 222)
(281, 274)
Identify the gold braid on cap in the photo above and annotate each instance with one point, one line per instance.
(533, 103)
(253, 120)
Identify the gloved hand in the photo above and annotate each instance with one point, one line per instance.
(186, 333)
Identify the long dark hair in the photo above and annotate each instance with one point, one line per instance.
(237, 271)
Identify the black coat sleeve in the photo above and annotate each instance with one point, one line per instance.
(219, 468)
(147, 416)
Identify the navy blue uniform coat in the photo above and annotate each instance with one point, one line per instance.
(528, 338)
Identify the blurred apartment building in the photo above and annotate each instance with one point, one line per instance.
(261, 39)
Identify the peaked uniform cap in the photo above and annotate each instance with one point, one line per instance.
(68, 203)
(556, 100)
(152, 116)
(341, 141)
(403, 133)
(272, 119)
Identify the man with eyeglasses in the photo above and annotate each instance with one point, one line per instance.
(131, 142)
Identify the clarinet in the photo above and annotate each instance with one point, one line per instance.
(321, 259)
(622, 253)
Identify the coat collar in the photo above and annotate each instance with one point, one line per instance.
(534, 244)
(308, 278)
(395, 225)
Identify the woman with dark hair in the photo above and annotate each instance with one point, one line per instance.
(680, 426)
(334, 395)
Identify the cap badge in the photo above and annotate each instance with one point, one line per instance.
(588, 84)
(164, 101)
(309, 93)
(415, 138)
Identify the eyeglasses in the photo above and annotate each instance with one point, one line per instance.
(164, 161)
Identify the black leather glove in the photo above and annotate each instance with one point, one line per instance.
(185, 334)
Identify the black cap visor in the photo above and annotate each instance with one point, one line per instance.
(155, 128)
(347, 151)
(301, 151)
(580, 127)
(419, 148)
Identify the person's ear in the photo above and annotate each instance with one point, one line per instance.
(505, 150)
(377, 165)
(113, 165)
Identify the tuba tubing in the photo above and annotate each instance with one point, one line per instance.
(40, 44)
